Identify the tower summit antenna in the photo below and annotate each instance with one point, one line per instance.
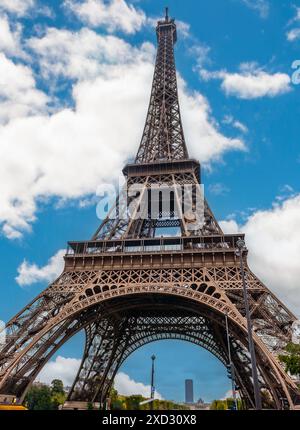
(167, 14)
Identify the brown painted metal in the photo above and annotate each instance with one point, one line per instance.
(125, 287)
(163, 137)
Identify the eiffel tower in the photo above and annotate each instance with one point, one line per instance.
(142, 278)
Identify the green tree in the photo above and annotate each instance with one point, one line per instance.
(39, 398)
(219, 405)
(113, 395)
(117, 405)
(230, 404)
(119, 402)
(116, 401)
(133, 402)
(291, 359)
(226, 404)
(58, 395)
(90, 406)
(57, 387)
(43, 397)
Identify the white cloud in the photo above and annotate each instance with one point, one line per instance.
(218, 189)
(76, 139)
(240, 126)
(10, 38)
(250, 82)
(83, 54)
(260, 6)
(18, 7)
(183, 28)
(228, 119)
(29, 274)
(200, 52)
(296, 17)
(61, 368)
(67, 154)
(114, 14)
(18, 94)
(127, 386)
(293, 34)
(230, 226)
(273, 239)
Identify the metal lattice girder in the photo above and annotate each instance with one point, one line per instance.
(139, 327)
(163, 133)
(91, 288)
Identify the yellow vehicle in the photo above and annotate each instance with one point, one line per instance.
(9, 403)
(12, 408)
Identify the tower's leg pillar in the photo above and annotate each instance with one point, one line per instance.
(105, 343)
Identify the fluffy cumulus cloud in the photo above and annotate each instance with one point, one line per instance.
(30, 273)
(66, 369)
(61, 368)
(84, 54)
(250, 82)
(273, 239)
(10, 37)
(127, 386)
(19, 96)
(18, 7)
(113, 14)
(94, 137)
(92, 148)
(293, 34)
(230, 226)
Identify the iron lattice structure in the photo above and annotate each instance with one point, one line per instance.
(127, 286)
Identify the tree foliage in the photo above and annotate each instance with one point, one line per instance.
(58, 395)
(39, 398)
(223, 405)
(43, 397)
(119, 402)
(291, 359)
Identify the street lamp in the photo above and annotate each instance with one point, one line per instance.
(239, 252)
(152, 381)
(230, 365)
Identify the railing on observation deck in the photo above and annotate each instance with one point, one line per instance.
(163, 244)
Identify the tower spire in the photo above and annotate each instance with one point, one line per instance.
(167, 13)
(163, 137)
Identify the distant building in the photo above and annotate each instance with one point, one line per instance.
(189, 391)
(199, 406)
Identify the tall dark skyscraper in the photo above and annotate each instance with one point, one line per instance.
(189, 391)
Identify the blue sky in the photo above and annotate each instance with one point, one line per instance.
(75, 79)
